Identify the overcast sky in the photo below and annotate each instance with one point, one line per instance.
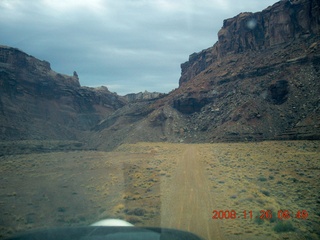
(125, 45)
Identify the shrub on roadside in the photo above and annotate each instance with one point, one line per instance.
(283, 226)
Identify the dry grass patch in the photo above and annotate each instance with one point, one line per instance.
(128, 184)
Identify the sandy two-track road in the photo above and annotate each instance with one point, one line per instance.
(189, 201)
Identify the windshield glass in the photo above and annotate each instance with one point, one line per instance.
(196, 116)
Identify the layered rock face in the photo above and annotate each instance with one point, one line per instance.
(38, 103)
(282, 23)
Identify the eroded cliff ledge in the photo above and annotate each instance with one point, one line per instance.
(277, 25)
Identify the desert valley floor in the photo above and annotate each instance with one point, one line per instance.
(217, 191)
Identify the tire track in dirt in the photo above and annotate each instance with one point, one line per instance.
(188, 202)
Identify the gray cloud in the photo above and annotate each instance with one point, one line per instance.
(126, 45)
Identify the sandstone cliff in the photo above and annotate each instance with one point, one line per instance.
(279, 24)
(38, 103)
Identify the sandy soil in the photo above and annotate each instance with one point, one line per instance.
(187, 203)
(169, 185)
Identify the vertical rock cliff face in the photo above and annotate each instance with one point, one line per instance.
(281, 23)
(38, 103)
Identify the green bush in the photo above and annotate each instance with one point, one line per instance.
(262, 179)
(259, 221)
(265, 192)
(283, 226)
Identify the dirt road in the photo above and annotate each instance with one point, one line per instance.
(188, 202)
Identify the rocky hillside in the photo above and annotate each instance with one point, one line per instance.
(259, 81)
(38, 103)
